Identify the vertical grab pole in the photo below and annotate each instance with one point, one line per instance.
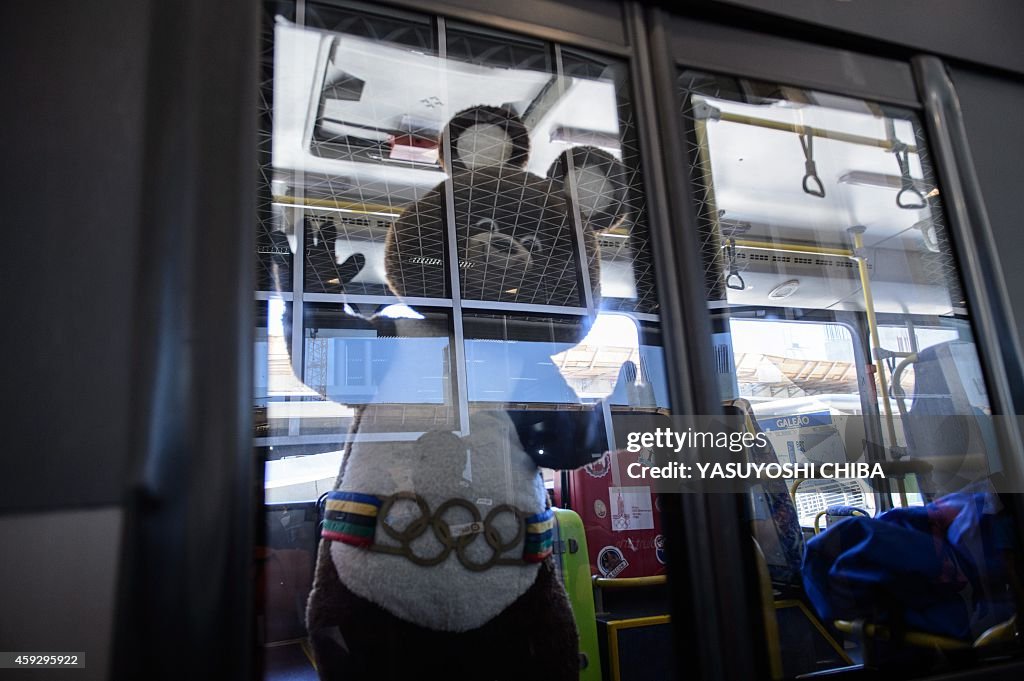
(857, 233)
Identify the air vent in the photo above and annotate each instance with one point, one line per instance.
(848, 264)
(612, 242)
(376, 223)
(836, 262)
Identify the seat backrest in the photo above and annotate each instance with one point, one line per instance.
(776, 525)
(946, 424)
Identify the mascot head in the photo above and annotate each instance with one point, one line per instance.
(515, 233)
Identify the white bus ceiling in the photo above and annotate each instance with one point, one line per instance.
(757, 171)
(758, 174)
(401, 89)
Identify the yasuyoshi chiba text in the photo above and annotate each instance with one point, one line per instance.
(766, 471)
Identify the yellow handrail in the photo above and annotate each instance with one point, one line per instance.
(856, 254)
(818, 517)
(916, 638)
(876, 344)
(810, 130)
(629, 582)
(771, 623)
(1004, 631)
(793, 248)
(337, 204)
(796, 483)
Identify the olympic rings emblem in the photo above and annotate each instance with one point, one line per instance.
(457, 542)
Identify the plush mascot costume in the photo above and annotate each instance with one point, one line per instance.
(435, 558)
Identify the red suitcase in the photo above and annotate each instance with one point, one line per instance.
(620, 515)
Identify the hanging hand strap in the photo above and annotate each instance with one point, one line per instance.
(910, 197)
(812, 183)
(733, 280)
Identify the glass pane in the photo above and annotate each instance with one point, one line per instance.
(274, 379)
(802, 382)
(515, 359)
(834, 291)
(464, 270)
(627, 272)
(274, 248)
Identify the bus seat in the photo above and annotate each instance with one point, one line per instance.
(777, 528)
(946, 425)
(837, 512)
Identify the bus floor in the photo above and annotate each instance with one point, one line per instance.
(288, 661)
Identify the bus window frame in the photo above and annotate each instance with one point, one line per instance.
(919, 83)
(197, 193)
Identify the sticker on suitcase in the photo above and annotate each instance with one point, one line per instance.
(632, 508)
(611, 562)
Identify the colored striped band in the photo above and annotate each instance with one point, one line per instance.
(542, 517)
(350, 518)
(353, 518)
(539, 534)
(540, 528)
(339, 495)
(352, 507)
(347, 533)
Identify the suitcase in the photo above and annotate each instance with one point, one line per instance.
(570, 553)
(621, 517)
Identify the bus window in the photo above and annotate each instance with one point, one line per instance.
(801, 379)
(831, 279)
(457, 293)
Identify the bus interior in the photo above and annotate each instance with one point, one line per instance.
(839, 323)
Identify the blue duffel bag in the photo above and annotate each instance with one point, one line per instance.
(939, 568)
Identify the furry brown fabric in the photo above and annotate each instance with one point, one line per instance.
(534, 639)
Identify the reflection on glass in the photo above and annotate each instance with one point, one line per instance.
(514, 359)
(835, 293)
(464, 253)
(376, 144)
(351, 361)
(555, 361)
(274, 380)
